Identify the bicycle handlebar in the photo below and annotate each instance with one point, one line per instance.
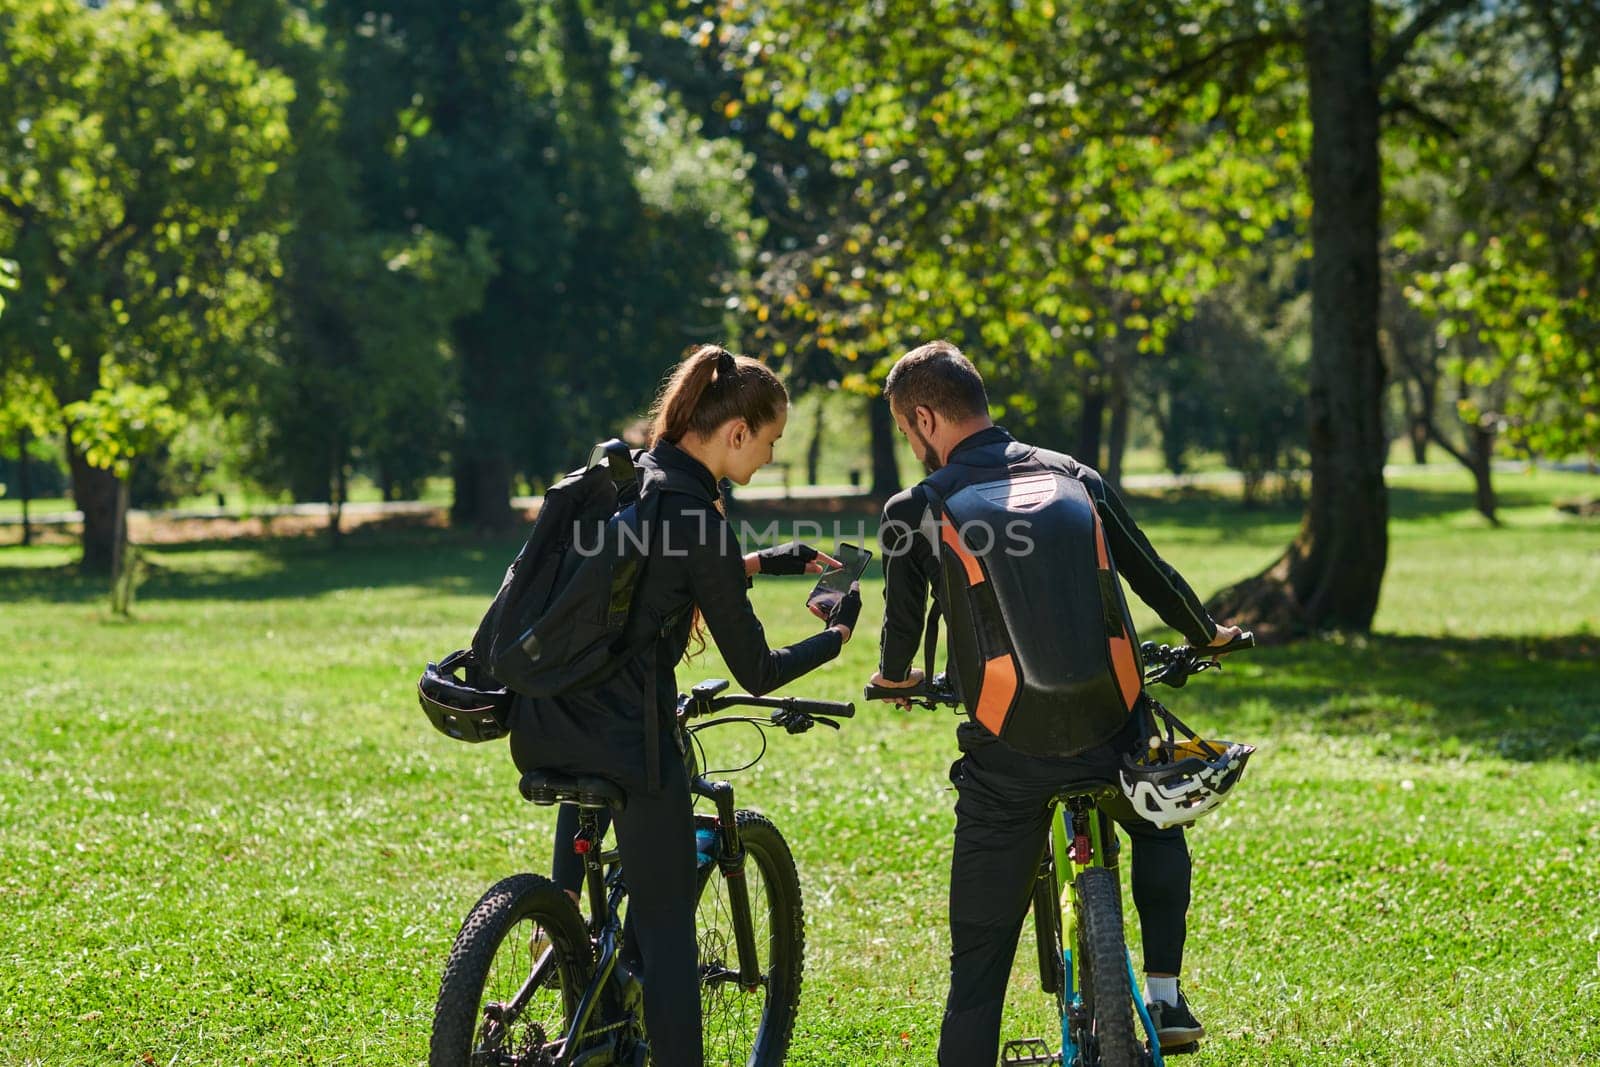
(795, 714)
(1174, 665)
(928, 693)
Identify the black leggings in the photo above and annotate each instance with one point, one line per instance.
(655, 835)
(1002, 830)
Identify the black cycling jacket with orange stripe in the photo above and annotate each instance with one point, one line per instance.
(910, 567)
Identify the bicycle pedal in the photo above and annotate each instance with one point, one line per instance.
(1181, 1050)
(1024, 1051)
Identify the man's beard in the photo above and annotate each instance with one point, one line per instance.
(925, 450)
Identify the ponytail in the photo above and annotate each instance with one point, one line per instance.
(712, 386)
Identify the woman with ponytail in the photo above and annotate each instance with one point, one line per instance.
(718, 416)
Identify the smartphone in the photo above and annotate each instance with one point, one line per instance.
(834, 584)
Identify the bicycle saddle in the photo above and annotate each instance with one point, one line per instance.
(584, 790)
(1085, 787)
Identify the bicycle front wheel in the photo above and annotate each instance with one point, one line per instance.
(515, 973)
(752, 1027)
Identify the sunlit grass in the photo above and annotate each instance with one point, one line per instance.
(228, 836)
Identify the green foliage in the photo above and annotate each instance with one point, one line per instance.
(120, 421)
(1234, 381)
(1001, 209)
(136, 157)
(606, 216)
(133, 197)
(8, 279)
(1498, 235)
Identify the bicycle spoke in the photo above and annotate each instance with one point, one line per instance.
(732, 1014)
(522, 1001)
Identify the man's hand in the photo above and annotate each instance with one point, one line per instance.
(1224, 635)
(913, 679)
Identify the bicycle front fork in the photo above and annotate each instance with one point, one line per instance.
(730, 861)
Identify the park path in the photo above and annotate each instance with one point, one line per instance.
(367, 510)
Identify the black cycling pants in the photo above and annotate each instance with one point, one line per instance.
(655, 835)
(1002, 830)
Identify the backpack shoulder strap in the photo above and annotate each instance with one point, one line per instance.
(930, 640)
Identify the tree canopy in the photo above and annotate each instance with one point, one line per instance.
(472, 237)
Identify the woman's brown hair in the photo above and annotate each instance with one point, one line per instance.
(712, 386)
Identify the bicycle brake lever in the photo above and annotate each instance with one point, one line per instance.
(796, 722)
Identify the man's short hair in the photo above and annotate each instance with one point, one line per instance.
(937, 376)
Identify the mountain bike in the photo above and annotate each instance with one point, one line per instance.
(1084, 962)
(531, 983)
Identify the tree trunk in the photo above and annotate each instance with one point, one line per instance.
(1117, 442)
(122, 582)
(814, 449)
(94, 490)
(1091, 418)
(336, 505)
(24, 485)
(885, 471)
(1329, 578)
(1419, 412)
(482, 491)
(1419, 442)
(1480, 447)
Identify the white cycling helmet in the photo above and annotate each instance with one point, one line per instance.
(1176, 782)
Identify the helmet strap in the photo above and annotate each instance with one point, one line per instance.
(1174, 725)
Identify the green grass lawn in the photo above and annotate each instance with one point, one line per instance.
(228, 836)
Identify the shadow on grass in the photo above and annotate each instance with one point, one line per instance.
(1429, 697)
(442, 561)
(1205, 506)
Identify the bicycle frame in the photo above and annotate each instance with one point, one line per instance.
(603, 883)
(604, 888)
(1081, 837)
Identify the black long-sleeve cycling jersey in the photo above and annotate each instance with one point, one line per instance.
(694, 561)
(910, 566)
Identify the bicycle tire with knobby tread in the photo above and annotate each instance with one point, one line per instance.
(1105, 968)
(497, 913)
(782, 957)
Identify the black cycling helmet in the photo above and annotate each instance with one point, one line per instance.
(457, 709)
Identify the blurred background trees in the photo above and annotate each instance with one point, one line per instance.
(366, 240)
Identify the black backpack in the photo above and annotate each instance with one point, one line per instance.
(1043, 650)
(560, 621)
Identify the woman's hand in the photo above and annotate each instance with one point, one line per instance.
(791, 557)
(846, 612)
